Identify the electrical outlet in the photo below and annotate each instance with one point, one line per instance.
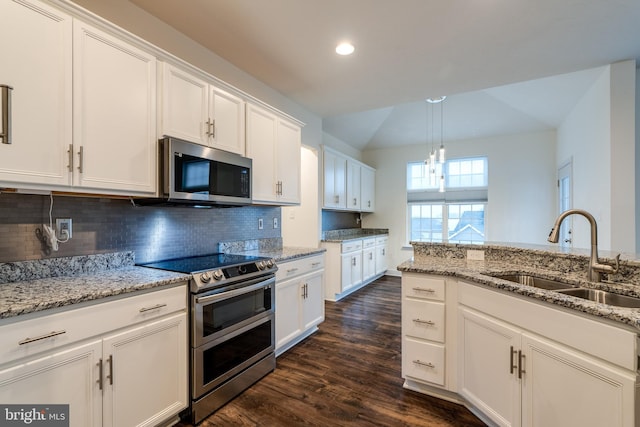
(275, 222)
(260, 224)
(64, 228)
(475, 255)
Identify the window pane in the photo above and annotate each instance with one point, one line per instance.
(466, 223)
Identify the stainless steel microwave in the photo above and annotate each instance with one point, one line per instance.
(192, 174)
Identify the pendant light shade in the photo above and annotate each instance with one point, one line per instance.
(440, 155)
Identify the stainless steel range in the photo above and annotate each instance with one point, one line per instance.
(232, 339)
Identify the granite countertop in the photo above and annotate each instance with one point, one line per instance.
(480, 272)
(286, 253)
(339, 236)
(93, 279)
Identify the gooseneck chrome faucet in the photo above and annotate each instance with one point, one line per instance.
(595, 268)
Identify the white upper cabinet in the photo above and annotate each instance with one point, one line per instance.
(35, 41)
(114, 110)
(349, 185)
(274, 146)
(335, 180)
(367, 189)
(353, 185)
(197, 111)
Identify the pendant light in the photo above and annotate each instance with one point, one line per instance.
(441, 154)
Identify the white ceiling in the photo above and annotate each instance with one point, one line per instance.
(410, 50)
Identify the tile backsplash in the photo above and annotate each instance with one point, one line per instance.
(103, 225)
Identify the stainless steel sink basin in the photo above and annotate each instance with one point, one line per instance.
(603, 297)
(536, 282)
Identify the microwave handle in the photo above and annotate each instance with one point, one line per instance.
(261, 283)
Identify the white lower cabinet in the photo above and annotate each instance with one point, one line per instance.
(353, 264)
(135, 376)
(299, 300)
(428, 353)
(516, 377)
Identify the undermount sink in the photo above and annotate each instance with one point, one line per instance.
(603, 297)
(536, 282)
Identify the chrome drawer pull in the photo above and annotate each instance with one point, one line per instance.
(426, 322)
(155, 307)
(315, 264)
(427, 364)
(100, 373)
(429, 290)
(42, 337)
(292, 270)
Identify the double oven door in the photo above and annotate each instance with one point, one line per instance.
(233, 328)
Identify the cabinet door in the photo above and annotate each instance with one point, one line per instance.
(185, 103)
(381, 259)
(488, 366)
(261, 142)
(367, 189)
(368, 263)
(313, 301)
(288, 314)
(353, 185)
(61, 377)
(351, 270)
(146, 373)
(227, 113)
(335, 180)
(288, 162)
(35, 41)
(114, 110)
(589, 392)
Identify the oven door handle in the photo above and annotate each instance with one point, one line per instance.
(235, 292)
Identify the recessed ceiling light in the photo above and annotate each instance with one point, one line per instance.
(345, 48)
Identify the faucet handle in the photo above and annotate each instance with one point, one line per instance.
(617, 267)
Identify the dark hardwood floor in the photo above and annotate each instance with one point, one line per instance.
(346, 374)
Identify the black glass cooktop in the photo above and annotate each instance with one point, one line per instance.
(202, 263)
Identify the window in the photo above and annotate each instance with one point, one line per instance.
(458, 214)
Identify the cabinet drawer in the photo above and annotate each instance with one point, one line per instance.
(382, 240)
(423, 319)
(368, 243)
(298, 267)
(35, 335)
(355, 245)
(423, 361)
(424, 287)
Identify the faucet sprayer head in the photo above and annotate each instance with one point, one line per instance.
(554, 235)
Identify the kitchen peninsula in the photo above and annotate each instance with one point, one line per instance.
(519, 354)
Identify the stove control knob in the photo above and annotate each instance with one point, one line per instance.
(261, 265)
(217, 275)
(205, 277)
(270, 263)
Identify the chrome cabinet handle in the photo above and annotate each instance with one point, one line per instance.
(424, 322)
(213, 128)
(383, 251)
(5, 130)
(369, 204)
(70, 153)
(427, 364)
(155, 307)
(81, 159)
(41, 337)
(428, 290)
(100, 372)
(355, 201)
(110, 376)
(371, 255)
(512, 353)
(208, 127)
(336, 198)
(521, 364)
(353, 261)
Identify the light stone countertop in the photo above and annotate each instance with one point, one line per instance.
(287, 253)
(33, 286)
(480, 272)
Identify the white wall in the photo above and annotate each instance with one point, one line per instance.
(599, 135)
(297, 221)
(522, 187)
